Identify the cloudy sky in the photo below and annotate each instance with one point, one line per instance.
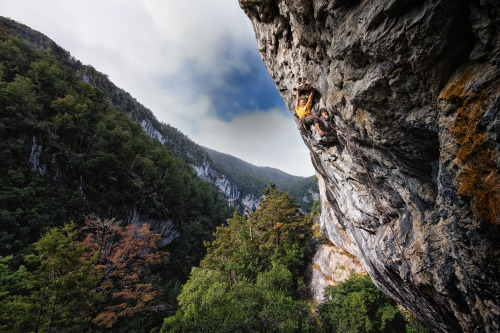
(194, 63)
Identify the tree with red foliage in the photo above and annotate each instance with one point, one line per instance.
(126, 255)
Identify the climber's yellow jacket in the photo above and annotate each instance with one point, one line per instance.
(302, 111)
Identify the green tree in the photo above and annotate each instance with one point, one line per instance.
(316, 208)
(63, 283)
(249, 278)
(22, 97)
(357, 305)
(211, 303)
(12, 285)
(10, 282)
(49, 75)
(277, 232)
(281, 232)
(58, 295)
(14, 56)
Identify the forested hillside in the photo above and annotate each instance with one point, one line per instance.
(246, 179)
(68, 156)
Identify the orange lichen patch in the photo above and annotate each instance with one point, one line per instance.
(456, 88)
(478, 179)
(483, 190)
(360, 116)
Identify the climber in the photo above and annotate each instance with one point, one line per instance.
(329, 136)
(325, 119)
(303, 111)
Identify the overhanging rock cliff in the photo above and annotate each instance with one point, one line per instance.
(414, 85)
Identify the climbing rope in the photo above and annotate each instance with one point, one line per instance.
(384, 213)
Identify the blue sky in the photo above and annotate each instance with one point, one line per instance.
(235, 92)
(194, 63)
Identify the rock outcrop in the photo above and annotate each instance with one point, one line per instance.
(206, 171)
(414, 85)
(331, 266)
(202, 164)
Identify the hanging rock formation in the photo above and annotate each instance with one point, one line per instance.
(415, 86)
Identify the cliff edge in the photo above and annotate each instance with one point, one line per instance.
(414, 85)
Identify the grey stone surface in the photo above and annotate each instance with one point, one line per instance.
(414, 86)
(331, 265)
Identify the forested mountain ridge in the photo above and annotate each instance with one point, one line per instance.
(241, 187)
(250, 178)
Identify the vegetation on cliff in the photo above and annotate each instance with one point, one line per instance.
(357, 305)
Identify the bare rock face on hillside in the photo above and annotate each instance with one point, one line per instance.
(330, 267)
(414, 85)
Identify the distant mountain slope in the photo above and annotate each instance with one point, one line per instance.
(240, 182)
(251, 179)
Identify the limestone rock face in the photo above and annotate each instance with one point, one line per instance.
(414, 86)
(226, 186)
(331, 266)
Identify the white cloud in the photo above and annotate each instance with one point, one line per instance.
(263, 138)
(199, 31)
